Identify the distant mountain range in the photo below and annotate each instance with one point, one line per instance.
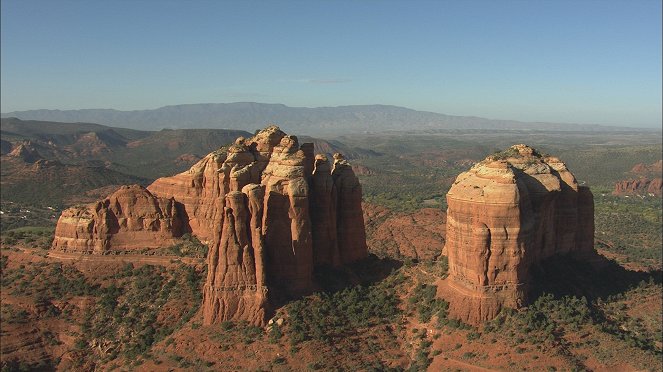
(316, 121)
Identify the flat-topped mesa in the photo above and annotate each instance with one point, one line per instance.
(128, 220)
(506, 214)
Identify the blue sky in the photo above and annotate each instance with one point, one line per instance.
(560, 61)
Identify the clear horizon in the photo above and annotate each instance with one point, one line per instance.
(588, 62)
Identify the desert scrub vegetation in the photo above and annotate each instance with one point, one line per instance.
(358, 320)
(46, 280)
(126, 313)
(602, 166)
(188, 246)
(641, 329)
(543, 320)
(423, 301)
(17, 215)
(326, 316)
(402, 185)
(505, 154)
(554, 322)
(142, 306)
(227, 333)
(33, 237)
(632, 227)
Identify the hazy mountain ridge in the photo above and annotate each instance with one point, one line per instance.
(93, 155)
(302, 120)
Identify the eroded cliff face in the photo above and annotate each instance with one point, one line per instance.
(641, 186)
(130, 219)
(506, 214)
(281, 217)
(269, 209)
(349, 216)
(199, 192)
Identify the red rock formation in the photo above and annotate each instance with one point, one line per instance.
(506, 214)
(235, 288)
(351, 232)
(199, 191)
(129, 219)
(655, 187)
(642, 186)
(260, 206)
(644, 169)
(323, 214)
(286, 220)
(26, 152)
(285, 212)
(645, 180)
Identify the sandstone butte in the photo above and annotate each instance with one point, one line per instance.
(505, 215)
(269, 210)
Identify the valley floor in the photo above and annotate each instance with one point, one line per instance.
(126, 313)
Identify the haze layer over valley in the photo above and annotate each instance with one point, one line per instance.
(319, 121)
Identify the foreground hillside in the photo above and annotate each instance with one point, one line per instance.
(135, 314)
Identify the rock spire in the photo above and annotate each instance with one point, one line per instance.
(268, 208)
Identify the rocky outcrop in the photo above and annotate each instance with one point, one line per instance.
(286, 219)
(641, 186)
(506, 214)
(269, 209)
(281, 216)
(351, 232)
(129, 219)
(199, 192)
(644, 180)
(235, 287)
(26, 152)
(647, 169)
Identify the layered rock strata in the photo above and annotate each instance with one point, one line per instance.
(506, 214)
(285, 224)
(641, 186)
(270, 211)
(130, 219)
